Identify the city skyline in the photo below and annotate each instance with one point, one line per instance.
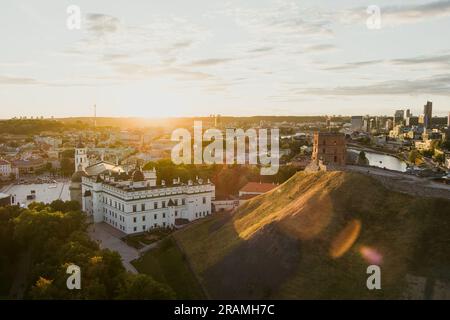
(170, 59)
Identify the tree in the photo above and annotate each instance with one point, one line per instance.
(413, 156)
(65, 206)
(70, 153)
(362, 159)
(67, 168)
(54, 237)
(141, 286)
(439, 158)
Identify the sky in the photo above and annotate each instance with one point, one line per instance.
(149, 58)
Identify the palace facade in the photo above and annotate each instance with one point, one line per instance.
(131, 200)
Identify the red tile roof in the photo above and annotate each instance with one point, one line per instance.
(258, 187)
(247, 196)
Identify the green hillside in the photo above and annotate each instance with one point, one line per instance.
(313, 238)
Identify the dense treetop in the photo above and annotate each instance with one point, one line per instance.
(39, 243)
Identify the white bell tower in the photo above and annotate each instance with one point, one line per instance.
(81, 159)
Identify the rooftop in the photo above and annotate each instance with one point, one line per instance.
(3, 162)
(102, 166)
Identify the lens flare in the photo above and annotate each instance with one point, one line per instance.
(371, 255)
(345, 239)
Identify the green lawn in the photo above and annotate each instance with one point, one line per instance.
(166, 264)
(140, 240)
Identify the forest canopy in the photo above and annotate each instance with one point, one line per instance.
(39, 243)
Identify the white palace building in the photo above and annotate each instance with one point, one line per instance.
(131, 201)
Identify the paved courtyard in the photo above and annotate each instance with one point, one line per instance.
(109, 238)
(45, 192)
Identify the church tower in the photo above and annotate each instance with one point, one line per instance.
(81, 159)
(81, 162)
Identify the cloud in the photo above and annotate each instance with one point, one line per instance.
(139, 71)
(162, 39)
(115, 56)
(102, 24)
(261, 49)
(183, 44)
(319, 48)
(438, 61)
(352, 65)
(396, 15)
(285, 19)
(8, 80)
(209, 62)
(438, 85)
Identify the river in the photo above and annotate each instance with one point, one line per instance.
(383, 161)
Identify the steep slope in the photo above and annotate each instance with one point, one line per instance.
(315, 235)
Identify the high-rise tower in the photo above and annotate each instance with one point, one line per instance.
(427, 114)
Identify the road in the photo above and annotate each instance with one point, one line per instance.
(405, 182)
(110, 238)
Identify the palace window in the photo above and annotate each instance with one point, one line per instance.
(155, 205)
(155, 216)
(143, 207)
(134, 208)
(163, 204)
(134, 219)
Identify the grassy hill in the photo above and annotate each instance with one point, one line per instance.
(166, 264)
(313, 238)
